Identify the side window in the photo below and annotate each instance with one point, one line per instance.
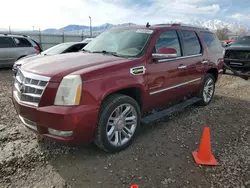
(22, 42)
(74, 48)
(192, 44)
(168, 39)
(6, 42)
(212, 42)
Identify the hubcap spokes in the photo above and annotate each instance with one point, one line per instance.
(208, 90)
(121, 125)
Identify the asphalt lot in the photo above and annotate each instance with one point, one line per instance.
(160, 156)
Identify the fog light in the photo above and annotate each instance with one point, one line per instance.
(60, 133)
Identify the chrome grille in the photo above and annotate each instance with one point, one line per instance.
(29, 87)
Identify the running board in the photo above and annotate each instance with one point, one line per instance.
(166, 112)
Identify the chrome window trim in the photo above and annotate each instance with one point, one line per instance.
(177, 58)
(175, 86)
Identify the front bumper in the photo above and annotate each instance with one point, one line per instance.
(81, 120)
(237, 63)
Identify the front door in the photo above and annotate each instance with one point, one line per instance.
(165, 77)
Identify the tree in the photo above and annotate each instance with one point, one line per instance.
(222, 34)
(242, 31)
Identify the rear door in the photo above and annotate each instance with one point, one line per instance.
(7, 46)
(24, 47)
(194, 60)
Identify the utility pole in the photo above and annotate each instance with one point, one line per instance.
(33, 28)
(90, 26)
(9, 30)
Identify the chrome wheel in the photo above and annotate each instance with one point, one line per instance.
(121, 125)
(208, 90)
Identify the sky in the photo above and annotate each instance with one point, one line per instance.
(24, 14)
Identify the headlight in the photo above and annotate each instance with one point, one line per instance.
(18, 63)
(69, 91)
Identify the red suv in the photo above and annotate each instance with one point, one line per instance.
(100, 93)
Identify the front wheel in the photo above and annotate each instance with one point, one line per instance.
(207, 90)
(119, 123)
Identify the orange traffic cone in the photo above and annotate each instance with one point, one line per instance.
(204, 155)
(134, 186)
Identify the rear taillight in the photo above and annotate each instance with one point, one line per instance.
(37, 48)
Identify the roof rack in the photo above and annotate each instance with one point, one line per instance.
(181, 25)
(7, 34)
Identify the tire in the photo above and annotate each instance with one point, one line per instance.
(108, 113)
(206, 81)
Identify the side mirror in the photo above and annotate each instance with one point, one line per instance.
(164, 53)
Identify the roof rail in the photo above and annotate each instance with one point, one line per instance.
(7, 34)
(181, 25)
(194, 26)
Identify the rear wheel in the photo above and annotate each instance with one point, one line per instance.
(119, 123)
(207, 90)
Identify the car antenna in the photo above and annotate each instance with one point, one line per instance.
(148, 25)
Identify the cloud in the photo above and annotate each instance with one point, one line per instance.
(240, 16)
(56, 13)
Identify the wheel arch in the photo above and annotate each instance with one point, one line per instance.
(214, 72)
(134, 92)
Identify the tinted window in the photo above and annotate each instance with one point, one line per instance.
(191, 43)
(168, 39)
(75, 48)
(6, 42)
(58, 49)
(211, 41)
(22, 42)
(245, 40)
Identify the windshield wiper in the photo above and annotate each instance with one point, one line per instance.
(106, 52)
(84, 50)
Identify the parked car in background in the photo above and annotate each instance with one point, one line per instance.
(14, 47)
(237, 56)
(100, 94)
(58, 49)
(227, 43)
(88, 40)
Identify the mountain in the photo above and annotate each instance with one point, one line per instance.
(84, 28)
(218, 24)
(211, 24)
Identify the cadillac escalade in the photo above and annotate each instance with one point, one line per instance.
(100, 93)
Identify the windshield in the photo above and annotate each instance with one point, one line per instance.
(129, 42)
(58, 49)
(242, 41)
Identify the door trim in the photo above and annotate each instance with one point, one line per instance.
(175, 86)
(182, 57)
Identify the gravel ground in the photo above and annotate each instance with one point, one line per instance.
(160, 156)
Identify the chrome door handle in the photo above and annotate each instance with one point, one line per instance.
(182, 67)
(204, 61)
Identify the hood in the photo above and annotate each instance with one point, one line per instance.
(58, 66)
(28, 58)
(238, 47)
